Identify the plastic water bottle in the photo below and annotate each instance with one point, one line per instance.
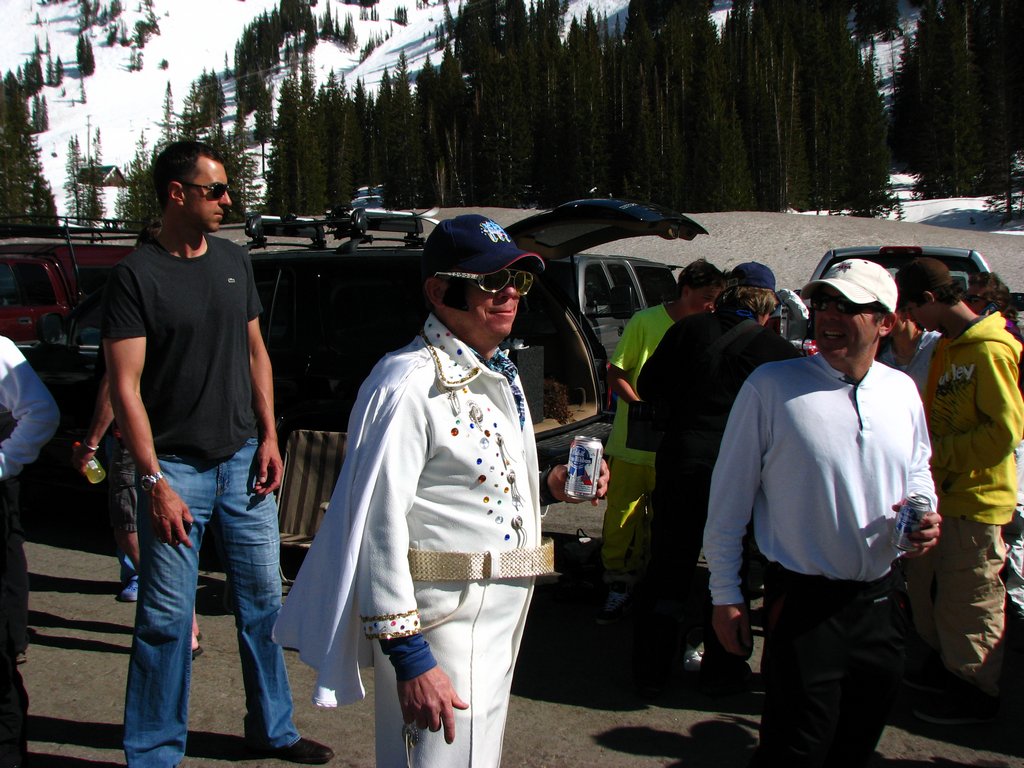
(94, 471)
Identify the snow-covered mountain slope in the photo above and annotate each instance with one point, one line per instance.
(198, 35)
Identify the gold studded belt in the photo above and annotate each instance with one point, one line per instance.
(425, 565)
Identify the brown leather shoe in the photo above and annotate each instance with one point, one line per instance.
(304, 751)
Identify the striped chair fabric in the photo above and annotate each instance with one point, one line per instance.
(312, 464)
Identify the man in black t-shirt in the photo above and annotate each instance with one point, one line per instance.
(192, 390)
(692, 380)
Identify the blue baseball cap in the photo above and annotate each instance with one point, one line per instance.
(751, 274)
(475, 244)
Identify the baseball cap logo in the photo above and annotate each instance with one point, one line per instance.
(493, 232)
(843, 267)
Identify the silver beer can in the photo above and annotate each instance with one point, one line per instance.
(908, 520)
(585, 455)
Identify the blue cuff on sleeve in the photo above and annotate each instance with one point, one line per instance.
(410, 656)
(546, 497)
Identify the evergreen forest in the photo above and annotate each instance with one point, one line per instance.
(780, 109)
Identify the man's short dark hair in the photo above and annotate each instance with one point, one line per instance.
(700, 274)
(177, 162)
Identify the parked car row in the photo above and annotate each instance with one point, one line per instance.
(330, 311)
(339, 292)
(41, 281)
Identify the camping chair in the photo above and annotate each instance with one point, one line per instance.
(312, 463)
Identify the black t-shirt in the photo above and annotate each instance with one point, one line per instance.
(194, 314)
(692, 394)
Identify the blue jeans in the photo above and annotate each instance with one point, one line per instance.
(219, 494)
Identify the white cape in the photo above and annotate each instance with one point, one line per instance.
(320, 617)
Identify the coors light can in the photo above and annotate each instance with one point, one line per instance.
(908, 520)
(584, 467)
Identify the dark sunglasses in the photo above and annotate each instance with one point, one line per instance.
(822, 302)
(494, 282)
(213, 191)
(971, 298)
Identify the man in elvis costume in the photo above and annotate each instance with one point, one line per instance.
(432, 540)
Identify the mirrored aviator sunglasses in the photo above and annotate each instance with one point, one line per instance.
(821, 303)
(214, 191)
(495, 282)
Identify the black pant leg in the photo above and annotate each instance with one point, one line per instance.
(722, 672)
(13, 698)
(14, 596)
(881, 624)
(680, 503)
(833, 659)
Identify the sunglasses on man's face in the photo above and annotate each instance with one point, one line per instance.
(972, 298)
(495, 282)
(213, 191)
(822, 302)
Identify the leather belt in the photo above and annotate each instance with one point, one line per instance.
(425, 565)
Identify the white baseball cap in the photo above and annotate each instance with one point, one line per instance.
(859, 280)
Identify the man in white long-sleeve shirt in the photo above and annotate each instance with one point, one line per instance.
(820, 452)
(35, 418)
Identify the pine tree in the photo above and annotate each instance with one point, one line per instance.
(581, 140)
(867, 186)
(83, 50)
(717, 163)
(74, 189)
(136, 201)
(240, 168)
(335, 108)
(403, 165)
(263, 120)
(168, 124)
(283, 168)
(94, 206)
(640, 162)
(938, 107)
(40, 115)
(998, 26)
(876, 17)
(441, 95)
(23, 188)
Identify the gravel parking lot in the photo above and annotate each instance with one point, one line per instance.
(573, 703)
(572, 706)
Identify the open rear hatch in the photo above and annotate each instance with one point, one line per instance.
(559, 359)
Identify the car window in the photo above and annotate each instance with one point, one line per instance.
(92, 278)
(657, 283)
(88, 318)
(623, 286)
(377, 311)
(35, 282)
(597, 292)
(276, 290)
(959, 268)
(8, 287)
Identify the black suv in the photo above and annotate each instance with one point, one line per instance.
(331, 311)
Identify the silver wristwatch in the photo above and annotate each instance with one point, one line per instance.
(148, 481)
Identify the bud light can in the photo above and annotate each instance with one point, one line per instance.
(584, 467)
(908, 520)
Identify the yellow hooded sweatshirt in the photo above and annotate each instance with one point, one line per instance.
(975, 417)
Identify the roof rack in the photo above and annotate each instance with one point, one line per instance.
(351, 225)
(69, 228)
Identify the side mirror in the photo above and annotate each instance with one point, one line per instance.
(50, 329)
